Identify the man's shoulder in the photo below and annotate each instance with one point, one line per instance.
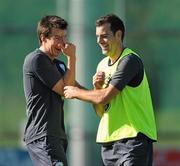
(31, 55)
(131, 58)
(130, 62)
(34, 56)
(35, 59)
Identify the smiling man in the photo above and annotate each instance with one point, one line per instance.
(121, 97)
(44, 77)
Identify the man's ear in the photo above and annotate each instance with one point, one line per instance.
(42, 38)
(118, 35)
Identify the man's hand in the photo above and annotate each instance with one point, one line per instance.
(70, 92)
(98, 79)
(68, 49)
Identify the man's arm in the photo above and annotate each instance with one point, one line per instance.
(69, 77)
(99, 96)
(128, 70)
(98, 81)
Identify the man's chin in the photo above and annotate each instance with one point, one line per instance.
(105, 52)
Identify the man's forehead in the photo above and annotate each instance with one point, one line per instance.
(105, 28)
(57, 31)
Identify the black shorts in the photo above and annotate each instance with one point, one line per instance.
(48, 151)
(136, 151)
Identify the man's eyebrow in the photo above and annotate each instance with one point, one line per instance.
(106, 34)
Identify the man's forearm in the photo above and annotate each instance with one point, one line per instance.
(92, 96)
(69, 78)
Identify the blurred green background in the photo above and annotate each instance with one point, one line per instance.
(152, 30)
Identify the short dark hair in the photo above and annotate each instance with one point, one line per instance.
(115, 22)
(48, 22)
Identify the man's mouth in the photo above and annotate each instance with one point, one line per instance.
(104, 47)
(58, 49)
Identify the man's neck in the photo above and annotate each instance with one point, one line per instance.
(117, 54)
(46, 53)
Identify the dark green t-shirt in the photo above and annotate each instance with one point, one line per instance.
(44, 107)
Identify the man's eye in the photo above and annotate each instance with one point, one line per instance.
(57, 38)
(105, 36)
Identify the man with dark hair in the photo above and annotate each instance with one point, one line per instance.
(121, 97)
(44, 77)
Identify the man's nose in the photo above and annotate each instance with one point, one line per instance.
(99, 40)
(61, 43)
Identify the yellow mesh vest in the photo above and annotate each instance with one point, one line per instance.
(127, 113)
